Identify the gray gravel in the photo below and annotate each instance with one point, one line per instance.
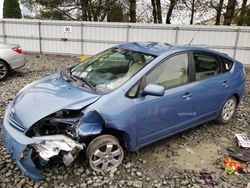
(173, 162)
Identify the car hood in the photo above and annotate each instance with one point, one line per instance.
(48, 96)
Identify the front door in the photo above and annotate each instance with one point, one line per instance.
(159, 117)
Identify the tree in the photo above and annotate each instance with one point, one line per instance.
(154, 11)
(242, 13)
(11, 9)
(86, 10)
(218, 9)
(116, 13)
(157, 15)
(192, 11)
(230, 11)
(170, 11)
(132, 10)
(247, 18)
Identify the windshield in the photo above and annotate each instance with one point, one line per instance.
(111, 68)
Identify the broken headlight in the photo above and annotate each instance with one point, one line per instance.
(62, 122)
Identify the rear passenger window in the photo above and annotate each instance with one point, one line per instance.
(227, 64)
(206, 66)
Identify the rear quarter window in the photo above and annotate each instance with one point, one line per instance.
(227, 64)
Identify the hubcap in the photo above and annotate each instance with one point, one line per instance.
(3, 71)
(106, 157)
(228, 109)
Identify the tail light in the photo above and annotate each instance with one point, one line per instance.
(17, 50)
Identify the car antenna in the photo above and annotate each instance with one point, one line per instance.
(194, 37)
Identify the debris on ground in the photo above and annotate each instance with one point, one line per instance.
(208, 178)
(243, 140)
(240, 154)
(232, 166)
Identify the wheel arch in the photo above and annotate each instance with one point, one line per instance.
(237, 97)
(122, 136)
(6, 63)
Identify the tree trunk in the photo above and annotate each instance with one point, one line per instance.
(170, 11)
(84, 7)
(159, 16)
(132, 10)
(192, 12)
(229, 15)
(242, 12)
(154, 11)
(218, 10)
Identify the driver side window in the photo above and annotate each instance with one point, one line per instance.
(170, 73)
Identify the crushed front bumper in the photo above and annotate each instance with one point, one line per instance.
(16, 144)
(21, 147)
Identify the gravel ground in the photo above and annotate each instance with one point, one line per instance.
(174, 162)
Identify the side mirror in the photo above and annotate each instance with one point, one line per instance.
(154, 90)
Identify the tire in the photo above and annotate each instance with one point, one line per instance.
(4, 70)
(104, 153)
(228, 110)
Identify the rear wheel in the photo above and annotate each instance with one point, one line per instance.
(104, 153)
(228, 110)
(4, 70)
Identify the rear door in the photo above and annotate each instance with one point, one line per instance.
(212, 85)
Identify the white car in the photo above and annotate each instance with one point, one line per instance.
(11, 57)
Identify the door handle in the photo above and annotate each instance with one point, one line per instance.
(187, 96)
(225, 83)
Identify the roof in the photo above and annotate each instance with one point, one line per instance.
(157, 49)
(153, 48)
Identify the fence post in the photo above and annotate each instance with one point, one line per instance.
(3, 27)
(81, 38)
(127, 39)
(236, 42)
(40, 38)
(176, 34)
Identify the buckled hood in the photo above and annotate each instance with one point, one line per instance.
(48, 96)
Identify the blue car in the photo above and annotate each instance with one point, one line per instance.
(123, 98)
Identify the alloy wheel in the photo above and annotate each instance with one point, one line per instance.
(228, 109)
(106, 157)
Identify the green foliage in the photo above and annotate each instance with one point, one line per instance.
(11, 9)
(246, 19)
(115, 14)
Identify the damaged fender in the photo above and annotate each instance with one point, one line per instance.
(90, 124)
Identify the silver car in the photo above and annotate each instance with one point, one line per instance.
(11, 57)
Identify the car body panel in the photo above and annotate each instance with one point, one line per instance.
(51, 90)
(15, 60)
(15, 143)
(144, 119)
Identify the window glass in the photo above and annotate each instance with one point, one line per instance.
(111, 68)
(173, 72)
(206, 66)
(134, 90)
(227, 63)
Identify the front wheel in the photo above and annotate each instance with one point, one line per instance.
(104, 153)
(228, 110)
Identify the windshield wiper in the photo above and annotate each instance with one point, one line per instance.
(85, 81)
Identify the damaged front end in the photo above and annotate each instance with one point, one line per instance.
(63, 133)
